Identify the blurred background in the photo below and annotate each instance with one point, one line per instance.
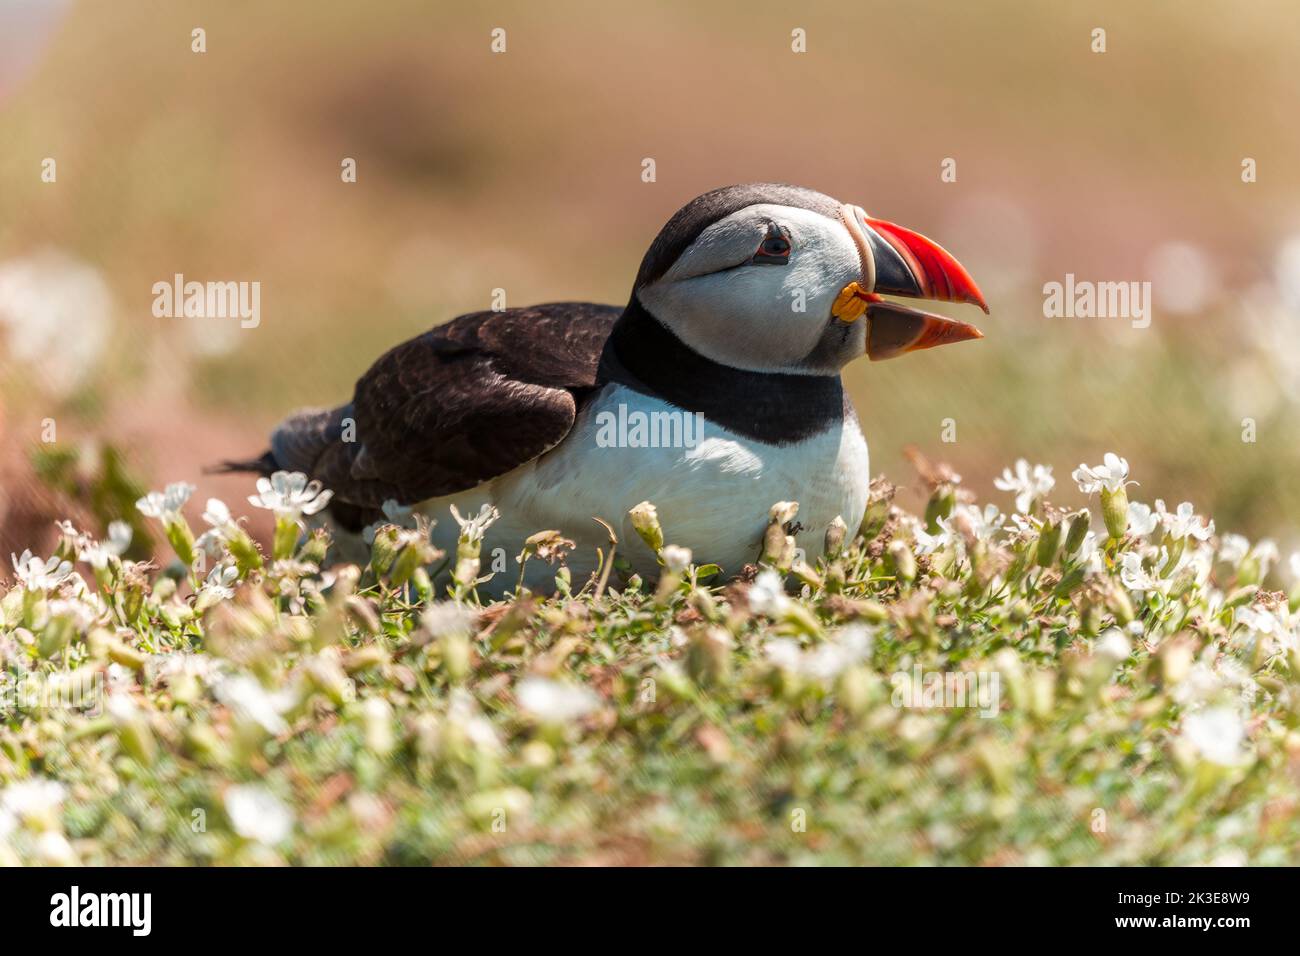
(522, 171)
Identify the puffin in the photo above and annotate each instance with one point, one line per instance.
(715, 393)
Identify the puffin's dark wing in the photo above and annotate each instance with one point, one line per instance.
(461, 404)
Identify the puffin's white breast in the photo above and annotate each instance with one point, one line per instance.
(712, 488)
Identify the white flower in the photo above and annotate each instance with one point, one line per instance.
(290, 495)
(463, 715)
(784, 652)
(827, 660)
(249, 700)
(32, 799)
(217, 513)
(122, 707)
(1141, 519)
(927, 543)
(221, 581)
(1028, 484)
(1089, 554)
(1113, 645)
(1183, 522)
(166, 505)
(1135, 577)
(119, 537)
(98, 553)
(1200, 561)
(1025, 527)
(258, 814)
(970, 521)
(222, 527)
(79, 612)
(1265, 553)
(1258, 620)
(767, 595)
(473, 529)
(447, 619)
(1216, 733)
(1233, 549)
(676, 559)
(394, 514)
(53, 849)
(218, 517)
(178, 664)
(554, 702)
(1111, 476)
(36, 574)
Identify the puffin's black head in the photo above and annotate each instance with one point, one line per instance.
(772, 277)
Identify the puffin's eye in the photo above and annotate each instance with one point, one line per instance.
(775, 248)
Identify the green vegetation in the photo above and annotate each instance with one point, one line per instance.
(1126, 696)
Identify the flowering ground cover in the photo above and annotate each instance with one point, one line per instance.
(1106, 685)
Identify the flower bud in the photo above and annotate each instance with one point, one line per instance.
(1049, 538)
(422, 584)
(1248, 572)
(315, 548)
(942, 501)
(874, 518)
(204, 745)
(181, 539)
(56, 635)
(326, 676)
(466, 572)
(779, 547)
(807, 575)
(1042, 694)
(1175, 658)
(774, 544)
(1114, 511)
(134, 735)
(1117, 601)
(645, 521)
(119, 653)
(1080, 524)
(287, 532)
(708, 658)
(456, 654)
(835, 534)
(901, 560)
(408, 559)
(247, 557)
(366, 658)
(854, 690)
(383, 549)
(377, 724)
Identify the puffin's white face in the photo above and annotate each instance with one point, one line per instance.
(774, 287)
(755, 289)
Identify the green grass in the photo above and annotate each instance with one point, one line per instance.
(362, 716)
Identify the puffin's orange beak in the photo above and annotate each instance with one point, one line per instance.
(897, 261)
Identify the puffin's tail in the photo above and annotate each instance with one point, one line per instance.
(265, 465)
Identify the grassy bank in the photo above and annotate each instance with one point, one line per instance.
(961, 687)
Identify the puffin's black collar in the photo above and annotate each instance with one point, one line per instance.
(777, 408)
